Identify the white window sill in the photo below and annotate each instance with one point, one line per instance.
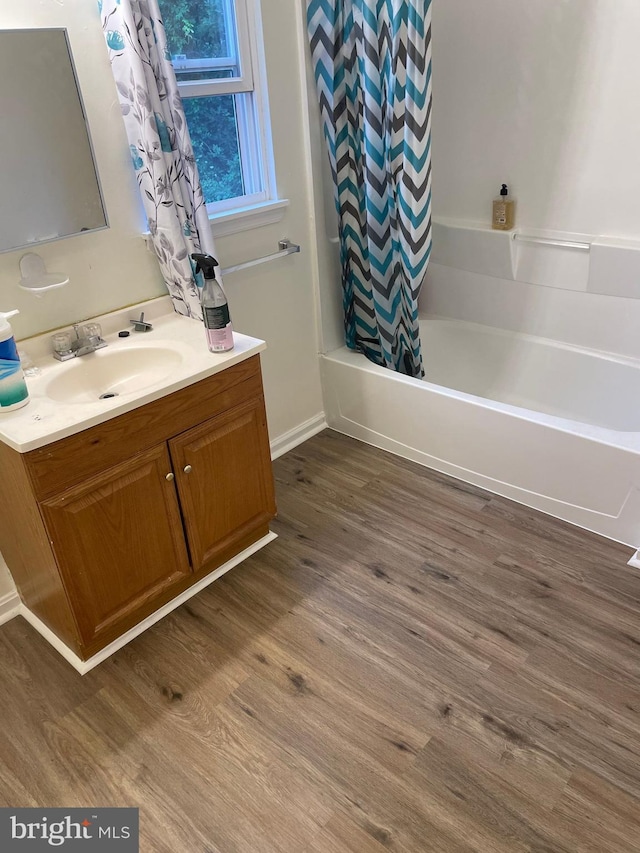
(241, 219)
(245, 218)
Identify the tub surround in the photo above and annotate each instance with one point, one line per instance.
(586, 263)
(595, 321)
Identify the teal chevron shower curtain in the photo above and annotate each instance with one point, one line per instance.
(372, 64)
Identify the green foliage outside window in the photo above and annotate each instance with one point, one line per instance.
(195, 29)
(214, 134)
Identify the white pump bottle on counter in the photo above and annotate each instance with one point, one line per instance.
(215, 308)
(13, 388)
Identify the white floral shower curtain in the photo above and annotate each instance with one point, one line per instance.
(161, 149)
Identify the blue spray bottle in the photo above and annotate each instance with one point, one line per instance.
(13, 388)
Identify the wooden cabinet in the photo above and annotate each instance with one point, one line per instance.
(128, 514)
(223, 472)
(118, 541)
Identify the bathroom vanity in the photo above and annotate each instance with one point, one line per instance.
(110, 525)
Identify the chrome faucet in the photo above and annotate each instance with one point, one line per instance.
(141, 325)
(88, 338)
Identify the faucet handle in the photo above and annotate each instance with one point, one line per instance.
(92, 330)
(141, 325)
(61, 343)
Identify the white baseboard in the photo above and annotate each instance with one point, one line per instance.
(84, 666)
(635, 560)
(295, 436)
(10, 605)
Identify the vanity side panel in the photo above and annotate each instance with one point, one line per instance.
(72, 460)
(26, 549)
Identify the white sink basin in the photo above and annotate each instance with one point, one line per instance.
(65, 397)
(110, 373)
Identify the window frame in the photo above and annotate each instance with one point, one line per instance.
(252, 110)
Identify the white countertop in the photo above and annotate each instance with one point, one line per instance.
(44, 420)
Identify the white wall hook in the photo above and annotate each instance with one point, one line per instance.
(35, 276)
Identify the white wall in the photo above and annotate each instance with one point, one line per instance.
(541, 95)
(113, 268)
(277, 302)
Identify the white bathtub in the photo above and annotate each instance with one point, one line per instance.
(553, 426)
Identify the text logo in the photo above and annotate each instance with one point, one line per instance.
(70, 830)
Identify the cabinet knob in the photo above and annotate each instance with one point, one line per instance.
(188, 469)
(170, 476)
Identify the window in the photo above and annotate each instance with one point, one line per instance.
(214, 50)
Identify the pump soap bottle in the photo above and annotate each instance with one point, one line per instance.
(13, 388)
(215, 308)
(504, 211)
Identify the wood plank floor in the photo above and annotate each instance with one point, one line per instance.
(414, 665)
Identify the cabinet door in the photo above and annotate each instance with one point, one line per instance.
(119, 543)
(225, 482)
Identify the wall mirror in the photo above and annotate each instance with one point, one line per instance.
(48, 177)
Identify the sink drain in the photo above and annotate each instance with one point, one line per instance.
(108, 395)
